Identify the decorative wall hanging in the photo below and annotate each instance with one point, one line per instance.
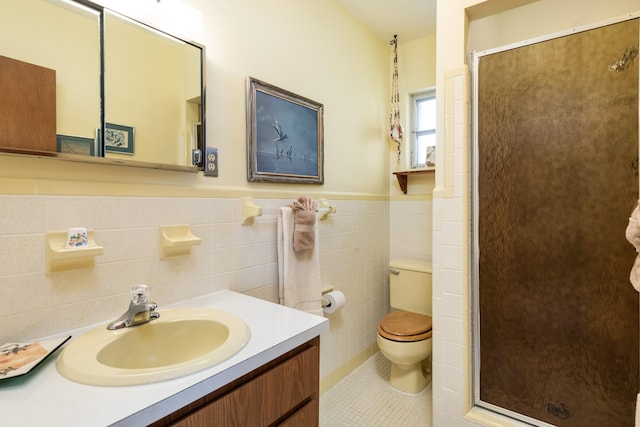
(285, 136)
(395, 128)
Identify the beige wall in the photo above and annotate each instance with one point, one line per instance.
(496, 25)
(305, 47)
(416, 70)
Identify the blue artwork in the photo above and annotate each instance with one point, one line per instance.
(286, 137)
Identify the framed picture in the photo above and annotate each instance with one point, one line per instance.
(75, 145)
(285, 136)
(119, 139)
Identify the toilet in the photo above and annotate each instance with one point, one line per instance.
(404, 335)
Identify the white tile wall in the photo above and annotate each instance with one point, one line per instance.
(354, 253)
(451, 291)
(354, 246)
(411, 229)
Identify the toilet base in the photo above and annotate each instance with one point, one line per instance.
(409, 378)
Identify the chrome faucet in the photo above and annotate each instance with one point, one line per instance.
(140, 309)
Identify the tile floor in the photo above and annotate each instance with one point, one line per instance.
(364, 398)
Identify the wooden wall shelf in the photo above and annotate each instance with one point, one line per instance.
(404, 175)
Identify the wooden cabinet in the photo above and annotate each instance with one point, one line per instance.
(284, 392)
(27, 106)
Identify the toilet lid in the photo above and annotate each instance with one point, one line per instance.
(402, 325)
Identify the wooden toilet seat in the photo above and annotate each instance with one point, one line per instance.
(405, 326)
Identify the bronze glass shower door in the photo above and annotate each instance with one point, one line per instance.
(557, 178)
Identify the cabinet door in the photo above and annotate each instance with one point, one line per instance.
(27, 106)
(275, 395)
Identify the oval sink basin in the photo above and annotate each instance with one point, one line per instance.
(182, 341)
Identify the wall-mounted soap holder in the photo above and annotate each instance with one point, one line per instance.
(60, 258)
(250, 210)
(177, 240)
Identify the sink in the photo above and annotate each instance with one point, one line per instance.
(182, 341)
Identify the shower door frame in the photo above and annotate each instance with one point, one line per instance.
(475, 57)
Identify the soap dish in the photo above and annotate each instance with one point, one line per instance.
(17, 359)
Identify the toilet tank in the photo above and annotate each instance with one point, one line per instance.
(410, 285)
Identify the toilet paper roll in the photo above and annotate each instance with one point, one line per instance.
(336, 301)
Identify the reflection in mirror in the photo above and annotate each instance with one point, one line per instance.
(51, 79)
(49, 75)
(152, 105)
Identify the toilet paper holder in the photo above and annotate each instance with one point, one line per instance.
(333, 301)
(326, 290)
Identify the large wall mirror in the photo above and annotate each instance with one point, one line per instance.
(84, 83)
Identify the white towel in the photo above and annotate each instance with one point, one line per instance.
(298, 272)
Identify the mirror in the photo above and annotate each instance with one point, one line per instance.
(61, 84)
(58, 47)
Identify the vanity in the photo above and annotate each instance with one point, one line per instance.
(272, 380)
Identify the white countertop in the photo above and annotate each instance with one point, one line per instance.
(44, 397)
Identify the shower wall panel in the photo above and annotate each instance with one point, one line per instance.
(557, 179)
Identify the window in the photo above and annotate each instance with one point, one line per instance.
(423, 137)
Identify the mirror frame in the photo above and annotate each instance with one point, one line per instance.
(100, 158)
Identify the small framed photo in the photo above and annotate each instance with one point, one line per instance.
(119, 139)
(75, 145)
(285, 136)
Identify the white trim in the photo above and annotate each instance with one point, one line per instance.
(488, 418)
(604, 23)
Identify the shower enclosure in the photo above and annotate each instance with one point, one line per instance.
(555, 178)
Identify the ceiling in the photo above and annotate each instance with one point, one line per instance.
(409, 19)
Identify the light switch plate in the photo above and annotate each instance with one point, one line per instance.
(211, 162)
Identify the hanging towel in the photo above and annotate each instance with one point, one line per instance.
(632, 234)
(298, 272)
(304, 227)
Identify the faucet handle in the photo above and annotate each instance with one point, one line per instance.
(140, 294)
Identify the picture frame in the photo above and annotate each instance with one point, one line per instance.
(285, 136)
(119, 139)
(75, 145)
